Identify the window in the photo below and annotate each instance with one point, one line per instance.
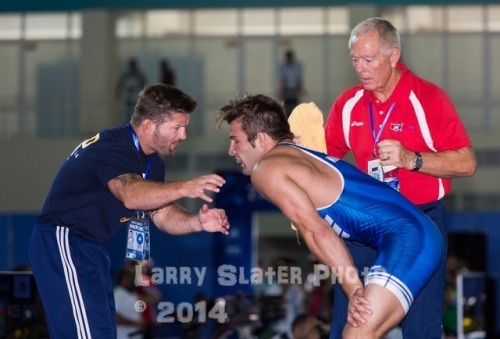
(163, 23)
(258, 22)
(465, 19)
(301, 21)
(337, 20)
(10, 27)
(40, 26)
(423, 19)
(493, 18)
(216, 22)
(129, 25)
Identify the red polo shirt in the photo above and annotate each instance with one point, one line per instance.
(423, 119)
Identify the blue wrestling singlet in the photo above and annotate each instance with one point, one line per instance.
(408, 243)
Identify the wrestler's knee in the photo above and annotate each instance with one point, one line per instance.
(368, 330)
(364, 331)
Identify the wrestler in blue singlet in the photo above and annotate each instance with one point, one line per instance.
(408, 243)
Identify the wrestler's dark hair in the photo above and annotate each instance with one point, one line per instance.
(258, 113)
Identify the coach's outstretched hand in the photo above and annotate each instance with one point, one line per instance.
(213, 219)
(195, 188)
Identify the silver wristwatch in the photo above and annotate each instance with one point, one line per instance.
(418, 161)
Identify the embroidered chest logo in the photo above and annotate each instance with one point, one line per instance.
(397, 127)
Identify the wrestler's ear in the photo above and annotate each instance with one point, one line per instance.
(262, 139)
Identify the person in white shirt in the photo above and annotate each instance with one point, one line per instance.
(129, 321)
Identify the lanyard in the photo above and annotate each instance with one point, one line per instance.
(138, 147)
(376, 138)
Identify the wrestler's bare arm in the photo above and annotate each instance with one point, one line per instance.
(285, 191)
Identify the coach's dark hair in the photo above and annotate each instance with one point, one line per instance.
(258, 113)
(158, 102)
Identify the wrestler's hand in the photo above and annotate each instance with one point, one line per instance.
(213, 219)
(358, 309)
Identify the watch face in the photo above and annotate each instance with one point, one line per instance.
(417, 162)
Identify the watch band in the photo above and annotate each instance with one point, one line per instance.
(418, 161)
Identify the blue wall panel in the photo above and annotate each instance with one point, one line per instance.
(488, 224)
(15, 234)
(21, 237)
(4, 243)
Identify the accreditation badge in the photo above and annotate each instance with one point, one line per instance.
(375, 169)
(138, 239)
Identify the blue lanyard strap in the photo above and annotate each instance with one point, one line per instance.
(138, 147)
(376, 138)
